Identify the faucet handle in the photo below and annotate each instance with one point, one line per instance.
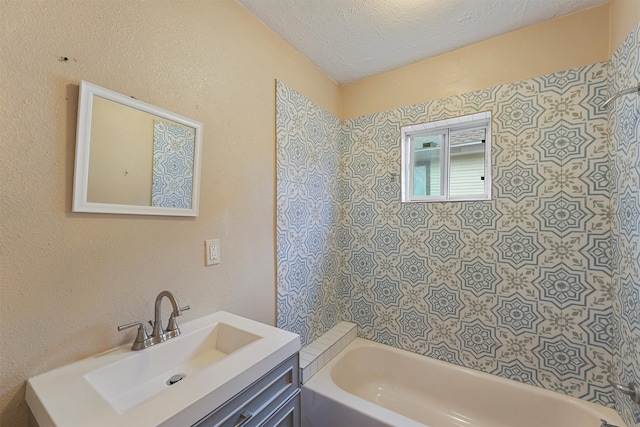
(172, 328)
(179, 311)
(142, 338)
(131, 325)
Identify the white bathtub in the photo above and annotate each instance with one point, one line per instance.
(371, 385)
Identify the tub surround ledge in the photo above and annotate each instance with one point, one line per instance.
(320, 352)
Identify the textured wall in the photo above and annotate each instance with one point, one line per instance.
(625, 198)
(307, 205)
(624, 17)
(67, 280)
(568, 42)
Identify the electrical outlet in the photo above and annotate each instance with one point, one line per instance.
(212, 251)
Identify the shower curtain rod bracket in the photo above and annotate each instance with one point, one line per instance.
(622, 92)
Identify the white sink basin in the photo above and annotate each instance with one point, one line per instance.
(128, 382)
(217, 356)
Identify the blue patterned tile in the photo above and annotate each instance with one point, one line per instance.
(444, 214)
(518, 113)
(628, 212)
(630, 303)
(387, 189)
(597, 175)
(478, 307)
(413, 324)
(387, 239)
(385, 336)
(414, 269)
(444, 302)
(517, 180)
(515, 370)
(445, 353)
(480, 100)
(387, 136)
(479, 245)
(506, 148)
(445, 272)
(362, 165)
(446, 108)
(564, 141)
(549, 268)
(444, 243)
(362, 312)
(598, 252)
(600, 325)
(563, 214)
(413, 215)
(516, 214)
(362, 263)
(563, 357)
(478, 338)
(562, 286)
(363, 214)
(387, 291)
(416, 113)
(517, 314)
(478, 277)
(518, 248)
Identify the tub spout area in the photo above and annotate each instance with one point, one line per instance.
(631, 390)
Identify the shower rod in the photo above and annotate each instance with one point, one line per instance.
(622, 92)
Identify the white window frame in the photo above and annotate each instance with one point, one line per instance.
(444, 127)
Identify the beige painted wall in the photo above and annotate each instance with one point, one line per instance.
(572, 41)
(625, 15)
(67, 280)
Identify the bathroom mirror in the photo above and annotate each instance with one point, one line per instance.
(134, 158)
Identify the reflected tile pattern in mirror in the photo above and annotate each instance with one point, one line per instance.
(173, 150)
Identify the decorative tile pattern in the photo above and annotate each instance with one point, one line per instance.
(308, 259)
(624, 120)
(520, 286)
(173, 152)
(499, 276)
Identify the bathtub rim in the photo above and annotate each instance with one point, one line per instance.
(323, 384)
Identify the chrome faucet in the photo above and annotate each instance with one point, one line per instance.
(143, 340)
(159, 334)
(631, 390)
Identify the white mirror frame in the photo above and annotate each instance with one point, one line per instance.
(83, 146)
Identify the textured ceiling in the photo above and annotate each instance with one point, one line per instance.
(353, 39)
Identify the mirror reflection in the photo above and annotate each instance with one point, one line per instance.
(134, 158)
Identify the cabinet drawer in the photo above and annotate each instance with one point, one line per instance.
(288, 415)
(257, 402)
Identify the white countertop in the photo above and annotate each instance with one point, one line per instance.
(65, 396)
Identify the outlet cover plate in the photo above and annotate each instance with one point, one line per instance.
(212, 251)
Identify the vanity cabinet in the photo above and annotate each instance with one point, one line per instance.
(271, 401)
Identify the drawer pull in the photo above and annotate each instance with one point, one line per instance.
(244, 417)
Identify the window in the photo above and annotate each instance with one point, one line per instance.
(447, 160)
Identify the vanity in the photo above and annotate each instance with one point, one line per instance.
(222, 370)
(219, 370)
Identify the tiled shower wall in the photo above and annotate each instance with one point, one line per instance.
(625, 192)
(307, 205)
(519, 286)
